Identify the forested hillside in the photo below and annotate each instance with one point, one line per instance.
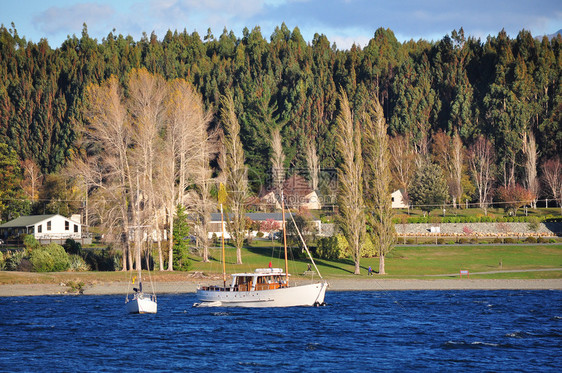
(508, 90)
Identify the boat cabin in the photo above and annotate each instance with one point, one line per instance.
(261, 279)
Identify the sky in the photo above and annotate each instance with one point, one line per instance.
(343, 21)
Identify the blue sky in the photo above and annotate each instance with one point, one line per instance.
(342, 21)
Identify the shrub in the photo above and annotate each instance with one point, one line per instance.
(30, 242)
(25, 265)
(463, 241)
(530, 240)
(75, 287)
(102, 260)
(542, 240)
(533, 223)
(410, 241)
(440, 241)
(2, 262)
(13, 260)
(72, 247)
(474, 241)
(42, 261)
(60, 257)
(509, 240)
(78, 264)
(369, 250)
(260, 234)
(50, 258)
(497, 240)
(335, 247)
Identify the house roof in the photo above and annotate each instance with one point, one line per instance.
(257, 216)
(26, 221)
(296, 185)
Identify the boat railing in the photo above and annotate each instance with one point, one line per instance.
(215, 288)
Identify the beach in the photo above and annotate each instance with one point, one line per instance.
(369, 284)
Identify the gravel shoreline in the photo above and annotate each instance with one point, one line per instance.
(371, 284)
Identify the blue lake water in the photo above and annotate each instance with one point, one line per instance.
(358, 331)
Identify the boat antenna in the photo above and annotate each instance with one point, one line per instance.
(305, 247)
(285, 238)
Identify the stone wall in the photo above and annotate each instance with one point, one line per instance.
(480, 229)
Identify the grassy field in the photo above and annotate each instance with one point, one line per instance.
(492, 212)
(442, 261)
(410, 261)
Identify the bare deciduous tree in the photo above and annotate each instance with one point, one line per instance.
(313, 163)
(185, 161)
(377, 180)
(350, 181)
(448, 152)
(109, 130)
(32, 178)
(146, 107)
(531, 155)
(236, 175)
(402, 162)
(552, 178)
(481, 159)
(277, 159)
(457, 161)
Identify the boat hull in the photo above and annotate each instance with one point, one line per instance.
(301, 295)
(141, 305)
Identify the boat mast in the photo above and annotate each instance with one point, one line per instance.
(285, 239)
(223, 255)
(306, 247)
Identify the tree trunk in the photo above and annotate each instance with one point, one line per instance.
(171, 239)
(381, 265)
(160, 256)
(357, 267)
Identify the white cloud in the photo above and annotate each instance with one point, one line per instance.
(56, 20)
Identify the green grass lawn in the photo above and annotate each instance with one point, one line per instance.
(412, 262)
(406, 261)
(492, 212)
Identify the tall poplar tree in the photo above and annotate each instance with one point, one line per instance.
(350, 175)
(377, 180)
(236, 175)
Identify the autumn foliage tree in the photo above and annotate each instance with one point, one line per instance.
(513, 198)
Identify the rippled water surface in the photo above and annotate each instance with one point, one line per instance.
(357, 331)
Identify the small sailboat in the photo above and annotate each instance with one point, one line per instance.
(265, 287)
(140, 302)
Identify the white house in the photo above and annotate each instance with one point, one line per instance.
(398, 199)
(272, 219)
(43, 227)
